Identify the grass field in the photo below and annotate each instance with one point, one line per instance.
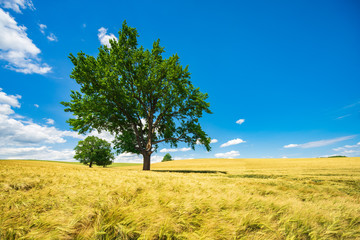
(187, 199)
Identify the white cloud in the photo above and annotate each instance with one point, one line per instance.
(50, 121)
(36, 105)
(134, 158)
(184, 149)
(20, 133)
(157, 158)
(17, 48)
(346, 147)
(232, 142)
(104, 37)
(11, 100)
(348, 150)
(6, 109)
(42, 28)
(17, 5)
(320, 143)
(240, 121)
(350, 146)
(212, 141)
(127, 154)
(47, 153)
(16, 132)
(291, 145)
(128, 157)
(18, 116)
(103, 135)
(52, 37)
(40, 153)
(231, 154)
(175, 150)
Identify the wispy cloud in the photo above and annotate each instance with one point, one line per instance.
(348, 150)
(17, 48)
(232, 142)
(104, 37)
(42, 28)
(352, 105)
(17, 5)
(50, 121)
(347, 147)
(240, 121)
(344, 116)
(231, 154)
(51, 37)
(292, 145)
(320, 143)
(175, 150)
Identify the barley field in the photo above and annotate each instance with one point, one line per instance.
(315, 198)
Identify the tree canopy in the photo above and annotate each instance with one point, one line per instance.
(167, 158)
(137, 95)
(94, 150)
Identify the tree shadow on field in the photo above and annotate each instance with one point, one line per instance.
(190, 171)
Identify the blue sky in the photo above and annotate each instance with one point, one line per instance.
(289, 69)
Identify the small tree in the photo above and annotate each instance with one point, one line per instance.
(138, 96)
(167, 158)
(94, 150)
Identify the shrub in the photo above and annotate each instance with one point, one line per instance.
(167, 158)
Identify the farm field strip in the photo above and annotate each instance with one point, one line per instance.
(212, 199)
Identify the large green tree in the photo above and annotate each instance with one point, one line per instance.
(94, 150)
(137, 95)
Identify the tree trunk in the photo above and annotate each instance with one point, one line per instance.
(146, 161)
(90, 165)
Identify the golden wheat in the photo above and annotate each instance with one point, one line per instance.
(198, 199)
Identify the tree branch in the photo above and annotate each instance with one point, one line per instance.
(172, 138)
